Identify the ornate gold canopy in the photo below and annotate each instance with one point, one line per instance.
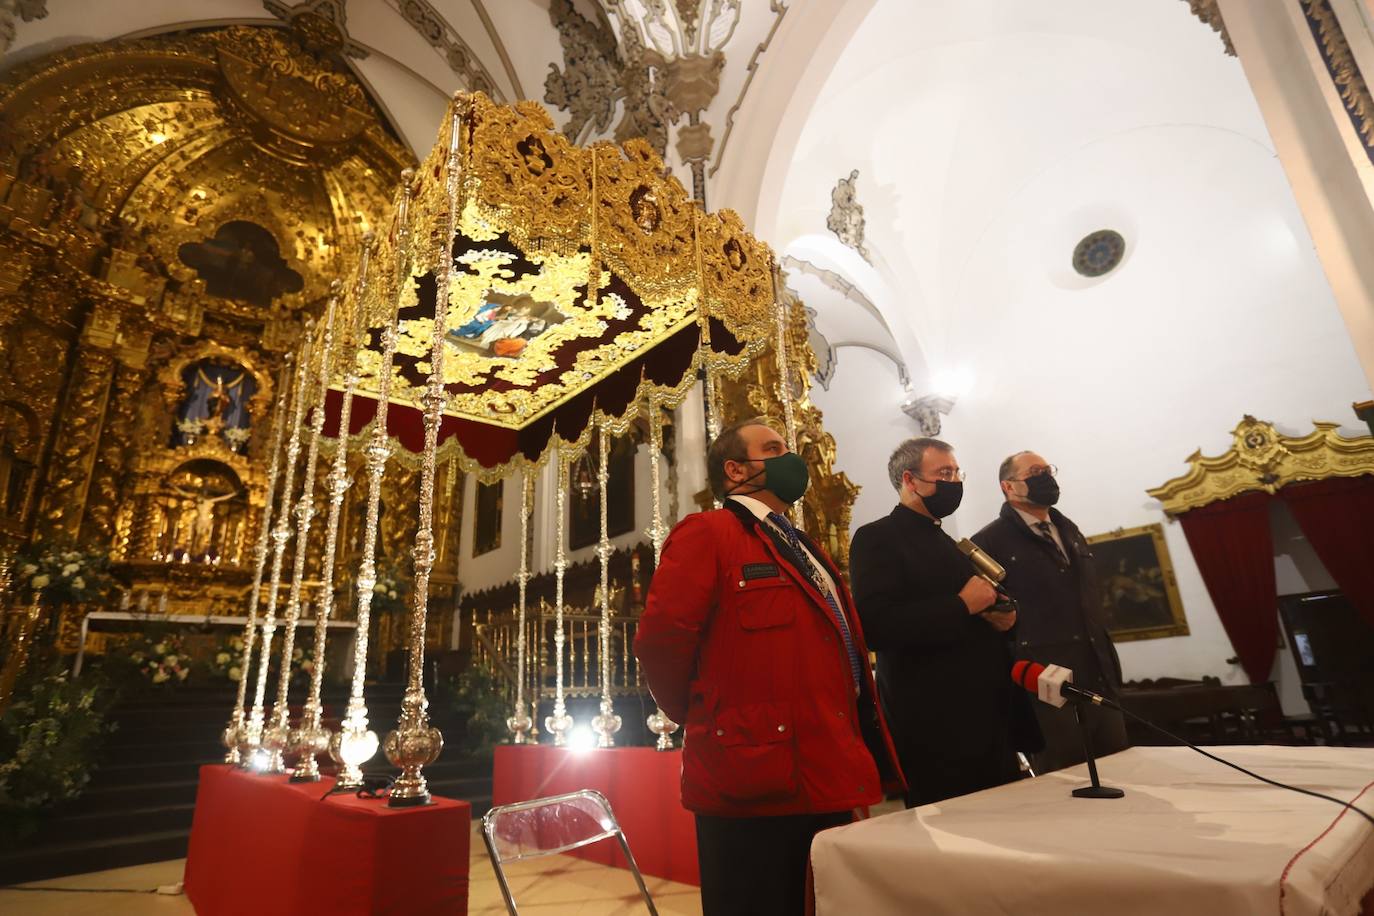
(1262, 458)
(570, 264)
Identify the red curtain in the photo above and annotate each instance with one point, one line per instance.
(1231, 543)
(1337, 516)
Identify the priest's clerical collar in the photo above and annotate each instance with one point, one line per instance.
(920, 515)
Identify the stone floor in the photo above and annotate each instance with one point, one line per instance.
(554, 885)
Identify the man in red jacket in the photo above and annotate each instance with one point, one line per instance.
(750, 638)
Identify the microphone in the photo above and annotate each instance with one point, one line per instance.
(991, 572)
(986, 566)
(1054, 685)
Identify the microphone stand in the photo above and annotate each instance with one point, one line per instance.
(1096, 790)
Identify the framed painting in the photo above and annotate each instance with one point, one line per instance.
(486, 527)
(1139, 592)
(584, 510)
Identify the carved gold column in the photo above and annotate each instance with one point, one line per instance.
(79, 424)
(607, 723)
(281, 535)
(520, 723)
(414, 744)
(278, 736)
(234, 734)
(98, 525)
(356, 742)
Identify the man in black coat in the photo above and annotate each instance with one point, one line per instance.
(942, 640)
(1050, 574)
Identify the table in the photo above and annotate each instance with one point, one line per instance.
(261, 845)
(187, 620)
(643, 785)
(1190, 837)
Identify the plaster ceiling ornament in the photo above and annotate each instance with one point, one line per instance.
(532, 349)
(190, 132)
(26, 10)
(319, 24)
(926, 411)
(1263, 459)
(1343, 68)
(662, 59)
(826, 357)
(461, 59)
(1099, 253)
(589, 84)
(1210, 13)
(846, 217)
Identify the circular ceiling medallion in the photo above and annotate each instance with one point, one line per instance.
(1099, 253)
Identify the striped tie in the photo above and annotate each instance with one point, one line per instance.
(814, 575)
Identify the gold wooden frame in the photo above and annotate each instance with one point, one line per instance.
(1179, 626)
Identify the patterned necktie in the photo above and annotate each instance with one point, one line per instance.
(812, 573)
(1044, 529)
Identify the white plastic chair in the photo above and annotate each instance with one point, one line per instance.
(549, 826)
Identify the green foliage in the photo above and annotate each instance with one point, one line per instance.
(475, 698)
(49, 738)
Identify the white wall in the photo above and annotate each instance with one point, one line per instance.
(990, 137)
(861, 411)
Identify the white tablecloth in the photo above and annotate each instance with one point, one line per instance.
(1190, 837)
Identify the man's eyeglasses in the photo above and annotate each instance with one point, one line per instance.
(1049, 469)
(948, 475)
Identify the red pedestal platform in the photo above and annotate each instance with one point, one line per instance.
(261, 845)
(644, 789)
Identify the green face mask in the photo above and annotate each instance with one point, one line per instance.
(785, 476)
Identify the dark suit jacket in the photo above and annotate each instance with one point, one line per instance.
(1060, 620)
(944, 675)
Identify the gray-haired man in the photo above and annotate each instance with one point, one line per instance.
(944, 658)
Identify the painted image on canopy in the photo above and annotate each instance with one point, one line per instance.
(504, 325)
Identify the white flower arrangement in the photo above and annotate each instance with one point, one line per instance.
(228, 659)
(61, 575)
(163, 662)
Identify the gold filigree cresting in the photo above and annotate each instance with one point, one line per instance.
(1263, 459)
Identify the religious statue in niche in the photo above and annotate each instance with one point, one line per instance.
(199, 527)
(486, 527)
(216, 403)
(504, 325)
(584, 523)
(846, 217)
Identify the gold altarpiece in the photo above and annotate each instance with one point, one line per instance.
(170, 206)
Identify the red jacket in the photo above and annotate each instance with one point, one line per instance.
(740, 647)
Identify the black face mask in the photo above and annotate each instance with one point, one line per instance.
(946, 498)
(1042, 489)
